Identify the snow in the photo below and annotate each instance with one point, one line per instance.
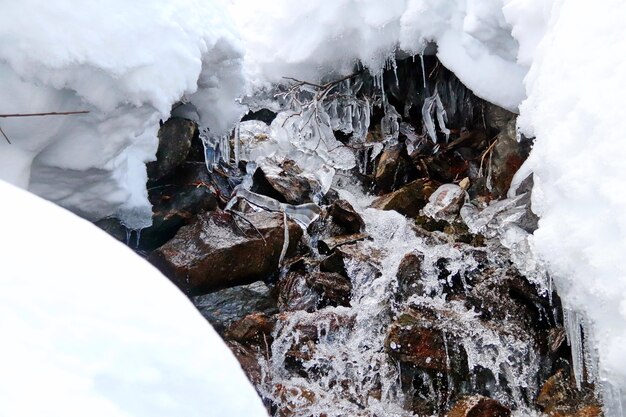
(89, 328)
(560, 59)
(322, 38)
(574, 108)
(124, 62)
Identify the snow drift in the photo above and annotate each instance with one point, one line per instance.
(574, 108)
(124, 62)
(92, 329)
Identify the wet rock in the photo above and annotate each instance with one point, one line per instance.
(411, 339)
(253, 330)
(220, 250)
(333, 263)
(226, 306)
(311, 291)
(408, 200)
(176, 200)
(507, 157)
(333, 289)
(478, 406)
(409, 275)
(295, 293)
(175, 137)
(307, 329)
(392, 169)
(329, 244)
(285, 183)
(446, 202)
(345, 216)
(559, 397)
(496, 117)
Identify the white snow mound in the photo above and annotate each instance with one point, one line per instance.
(89, 328)
(124, 62)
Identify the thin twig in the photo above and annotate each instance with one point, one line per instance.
(487, 151)
(44, 114)
(5, 136)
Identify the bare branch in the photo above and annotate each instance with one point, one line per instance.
(65, 113)
(5, 136)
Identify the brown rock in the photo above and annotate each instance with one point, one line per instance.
(388, 166)
(329, 244)
(409, 275)
(411, 341)
(219, 250)
(507, 157)
(254, 329)
(559, 397)
(346, 217)
(295, 294)
(333, 289)
(286, 183)
(408, 200)
(478, 406)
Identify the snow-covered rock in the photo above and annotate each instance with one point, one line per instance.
(125, 63)
(90, 329)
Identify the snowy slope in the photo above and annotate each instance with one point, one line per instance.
(124, 62)
(575, 108)
(90, 329)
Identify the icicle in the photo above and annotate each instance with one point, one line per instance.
(423, 71)
(283, 252)
(442, 117)
(129, 234)
(237, 145)
(572, 323)
(138, 231)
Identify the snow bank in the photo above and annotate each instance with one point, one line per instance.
(92, 329)
(575, 106)
(321, 37)
(124, 62)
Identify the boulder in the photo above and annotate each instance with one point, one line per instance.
(175, 136)
(220, 250)
(222, 308)
(408, 200)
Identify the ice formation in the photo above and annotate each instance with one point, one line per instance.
(126, 64)
(92, 329)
